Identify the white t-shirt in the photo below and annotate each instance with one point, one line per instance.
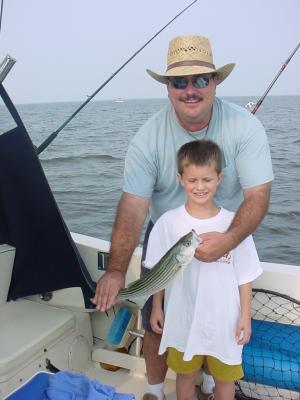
(202, 303)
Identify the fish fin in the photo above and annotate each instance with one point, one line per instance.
(138, 302)
(130, 284)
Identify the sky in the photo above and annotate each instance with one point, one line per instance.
(66, 49)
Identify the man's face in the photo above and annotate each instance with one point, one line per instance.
(192, 97)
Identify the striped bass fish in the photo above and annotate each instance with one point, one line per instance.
(180, 254)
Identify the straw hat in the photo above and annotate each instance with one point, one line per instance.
(191, 55)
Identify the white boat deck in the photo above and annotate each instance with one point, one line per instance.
(72, 338)
(127, 382)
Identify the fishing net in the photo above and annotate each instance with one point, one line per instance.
(271, 360)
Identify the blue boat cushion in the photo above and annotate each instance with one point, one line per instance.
(272, 357)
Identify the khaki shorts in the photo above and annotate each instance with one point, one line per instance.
(219, 370)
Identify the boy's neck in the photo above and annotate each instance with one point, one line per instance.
(202, 212)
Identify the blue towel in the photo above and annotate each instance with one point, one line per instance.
(72, 386)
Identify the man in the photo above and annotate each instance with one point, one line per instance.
(150, 174)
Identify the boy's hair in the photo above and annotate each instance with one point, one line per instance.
(199, 152)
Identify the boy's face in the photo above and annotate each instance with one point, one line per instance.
(200, 183)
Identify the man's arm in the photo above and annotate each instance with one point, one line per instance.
(247, 218)
(131, 214)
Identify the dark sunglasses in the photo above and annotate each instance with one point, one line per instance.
(181, 82)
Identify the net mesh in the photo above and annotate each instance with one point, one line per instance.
(271, 360)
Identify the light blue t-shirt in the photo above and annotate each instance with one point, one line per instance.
(150, 163)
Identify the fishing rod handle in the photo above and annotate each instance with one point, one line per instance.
(6, 66)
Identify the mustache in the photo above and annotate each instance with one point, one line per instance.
(191, 97)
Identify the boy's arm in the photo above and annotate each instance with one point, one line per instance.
(157, 314)
(243, 331)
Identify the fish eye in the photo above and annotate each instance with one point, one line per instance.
(188, 243)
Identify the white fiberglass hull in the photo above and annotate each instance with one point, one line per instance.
(72, 338)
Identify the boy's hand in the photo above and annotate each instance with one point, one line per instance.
(157, 320)
(243, 330)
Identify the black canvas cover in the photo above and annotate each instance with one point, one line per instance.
(46, 256)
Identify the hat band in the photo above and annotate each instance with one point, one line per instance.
(190, 63)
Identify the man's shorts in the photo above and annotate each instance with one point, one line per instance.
(146, 311)
(219, 370)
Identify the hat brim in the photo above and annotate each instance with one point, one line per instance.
(220, 73)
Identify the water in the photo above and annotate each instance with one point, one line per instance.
(84, 164)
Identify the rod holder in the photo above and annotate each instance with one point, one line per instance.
(6, 66)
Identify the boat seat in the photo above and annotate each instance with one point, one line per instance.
(29, 328)
(7, 255)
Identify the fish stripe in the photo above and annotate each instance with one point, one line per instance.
(163, 271)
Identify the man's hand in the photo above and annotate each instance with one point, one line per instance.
(107, 289)
(250, 213)
(213, 246)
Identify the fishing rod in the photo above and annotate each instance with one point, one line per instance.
(53, 135)
(253, 107)
(1, 14)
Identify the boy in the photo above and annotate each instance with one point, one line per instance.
(207, 308)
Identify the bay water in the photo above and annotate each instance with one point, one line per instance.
(84, 164)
